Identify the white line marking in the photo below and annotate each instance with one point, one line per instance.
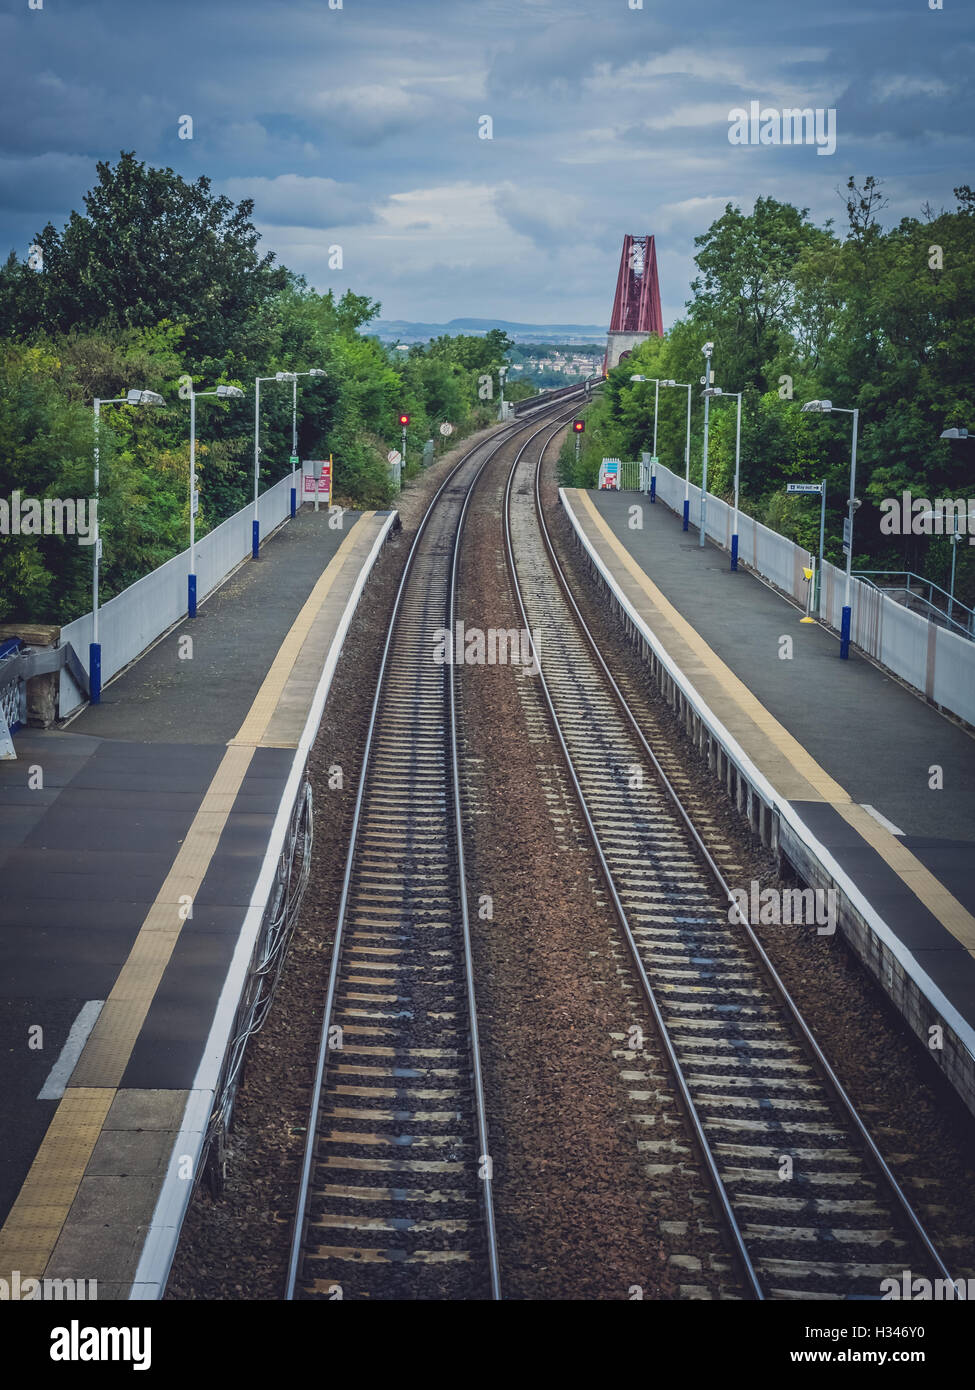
(887, 824)
(60, 1073)
(159, 1243)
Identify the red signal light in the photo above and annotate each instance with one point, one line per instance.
(404, 420)
(579, 426)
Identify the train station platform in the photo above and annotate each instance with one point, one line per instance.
(138, 849)
(861, 784)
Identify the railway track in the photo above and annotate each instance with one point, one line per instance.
(395, 1197)
(808, 1206)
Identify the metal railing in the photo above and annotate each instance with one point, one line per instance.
(267, 963)
(20, 663)
(13, 697)
(935, 658)
(888, 582)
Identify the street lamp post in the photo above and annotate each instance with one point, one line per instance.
(656, 403)
(293, 378)
(225, 393)
(732, 395)
(955, 432)
(822, 538)
(708, 350)
(256, 524)
(828, 408)
(132, 397)
(687, 450)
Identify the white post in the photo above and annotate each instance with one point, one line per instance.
(687, 461)
(846, 622)
(191, 576)
(96, 557)
(294, 445)
(954, 547)
(822, 537)
(704, 463)
(256, 525)
(734, 529)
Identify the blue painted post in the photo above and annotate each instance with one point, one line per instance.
(734, 537)
(845, 633)
(653, 482)
(294, 502)
(687, 513)
(191, 574)
(95, 672)
(256, 530)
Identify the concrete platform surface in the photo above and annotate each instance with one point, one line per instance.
(133, 848)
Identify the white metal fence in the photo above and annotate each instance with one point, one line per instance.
(929, 657)
(128, 623)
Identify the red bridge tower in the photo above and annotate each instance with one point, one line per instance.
(636, 308)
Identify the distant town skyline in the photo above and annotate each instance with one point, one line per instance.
(362, 127)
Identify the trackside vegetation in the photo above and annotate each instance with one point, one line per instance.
(880, 318)
(160, 284)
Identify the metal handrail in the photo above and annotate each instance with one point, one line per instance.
(966, 629)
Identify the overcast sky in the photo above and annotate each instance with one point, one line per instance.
(359, 127)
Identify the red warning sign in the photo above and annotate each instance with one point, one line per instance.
(318, 475)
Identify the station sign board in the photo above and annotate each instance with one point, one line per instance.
(317, 478)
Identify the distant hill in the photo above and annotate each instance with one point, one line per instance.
(391, 330)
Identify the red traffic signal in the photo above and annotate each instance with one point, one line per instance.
(404, 420)
(579, 426)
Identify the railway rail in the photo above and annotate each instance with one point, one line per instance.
(395, 1195)
(808, 1205)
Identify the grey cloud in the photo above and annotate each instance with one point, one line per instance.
(607, 120)
(297, 201)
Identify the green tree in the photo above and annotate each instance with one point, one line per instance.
(745, 296)
(150, 247)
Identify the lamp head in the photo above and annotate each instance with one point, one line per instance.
(229, 392)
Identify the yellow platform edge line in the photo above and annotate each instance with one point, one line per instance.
(941, 903)
(747, 703)
(255, 725)
(37, 1217)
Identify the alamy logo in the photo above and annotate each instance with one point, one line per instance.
(17, 1289)
(49, 516)
(793, 125)
(910, 1287)
(498, 646)
(77, 1343)
(908, 515)
(805, 907)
